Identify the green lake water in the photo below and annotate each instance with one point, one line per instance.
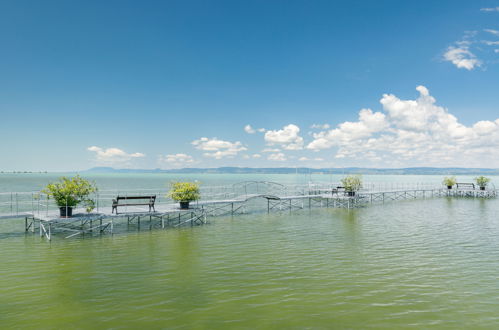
(430, 263)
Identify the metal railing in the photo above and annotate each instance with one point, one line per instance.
(20, 204)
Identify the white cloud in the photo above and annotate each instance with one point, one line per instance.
(175, 160)
(113, 156)
(248, 129)
(491, 31)
(271, 150)
(491, 43)
(490, 9)
(320, 126)
(369, 123)
(412, 133)
(256, 156)
(288, 137)
(303, 159)
(218, 149)
(462, 57)
(280, 157)
(261, 130)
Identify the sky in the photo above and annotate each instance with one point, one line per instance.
(173, 84)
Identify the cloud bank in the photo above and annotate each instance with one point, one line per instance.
(113, 156)
(416, 132)
(218, 149)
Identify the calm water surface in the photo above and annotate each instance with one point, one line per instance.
(417, 264)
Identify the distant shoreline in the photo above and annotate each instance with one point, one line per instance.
(306, 170)
(286, 170)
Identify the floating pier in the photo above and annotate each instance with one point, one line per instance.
(41, 215)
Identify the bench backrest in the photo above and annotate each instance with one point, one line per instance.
(465, 185)
(150, 198)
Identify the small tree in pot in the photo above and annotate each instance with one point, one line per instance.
(482, 182)
(352, 183)
(449, 182)
(69, 192)
(184, 192)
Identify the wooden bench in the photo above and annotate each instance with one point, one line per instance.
(148, 200)
(465, 186)
(338, 190)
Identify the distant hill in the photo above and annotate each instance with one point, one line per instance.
(292, 170)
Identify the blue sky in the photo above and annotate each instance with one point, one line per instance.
(147, 84)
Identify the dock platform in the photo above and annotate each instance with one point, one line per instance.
(42, 215)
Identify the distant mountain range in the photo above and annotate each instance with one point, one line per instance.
(303, 170)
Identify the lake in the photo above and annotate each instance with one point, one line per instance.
(430, 263)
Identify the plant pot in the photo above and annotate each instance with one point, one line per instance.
(184, 205)
(449, 187)
(66, 212)
(482, 188)
(351, 193)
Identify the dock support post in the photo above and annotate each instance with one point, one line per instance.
(150, 222)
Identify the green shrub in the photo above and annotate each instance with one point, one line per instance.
(482, 181)
(449, 181)
(71, 191)
(352, 182)
(184, 191)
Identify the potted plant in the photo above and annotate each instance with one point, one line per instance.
(184, 192)
(352, 183)
(482, 182)
(69, 192)
(449, 181)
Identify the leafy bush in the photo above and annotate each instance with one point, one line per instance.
(71, 192)
(482, 181)
(352, 182)
(449, 181)
(184, 191)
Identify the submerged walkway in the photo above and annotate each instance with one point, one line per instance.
(40, 214)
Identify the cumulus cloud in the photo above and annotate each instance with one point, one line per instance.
(287, 138)
(248, 129)
(113, 156)
(175, 160)
(280, 157)
(462, 57)
(413, 132)
(256, 156)
(218, 149)
(369, 123)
